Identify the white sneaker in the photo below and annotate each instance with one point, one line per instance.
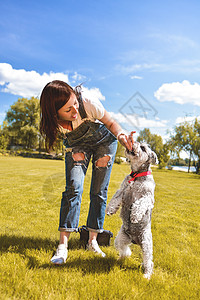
(94, 247)
(60, 256)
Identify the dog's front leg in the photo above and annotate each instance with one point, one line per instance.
(122, 241)
(114, 203)
(116, 200)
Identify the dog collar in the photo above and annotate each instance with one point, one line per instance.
(134, 175)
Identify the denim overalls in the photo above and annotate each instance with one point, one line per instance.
(96, 141)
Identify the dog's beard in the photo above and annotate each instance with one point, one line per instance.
(137, 160)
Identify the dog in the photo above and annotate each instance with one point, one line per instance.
(136, 196)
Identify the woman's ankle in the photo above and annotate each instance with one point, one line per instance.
(64, 237)
(92, 236)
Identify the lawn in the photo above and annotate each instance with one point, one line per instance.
(30, 201)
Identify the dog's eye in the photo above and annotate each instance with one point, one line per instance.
(143, 148)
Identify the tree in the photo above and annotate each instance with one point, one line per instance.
(23, 122)
(197, 143)
(186, 138)
(4, 137)
(156, 144)
(120, 153)
(197, 133)
(145, 136)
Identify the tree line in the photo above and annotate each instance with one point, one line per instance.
(20, 130)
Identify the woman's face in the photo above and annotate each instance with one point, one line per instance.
(69, 111)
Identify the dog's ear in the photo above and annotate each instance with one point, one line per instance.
(154, 158)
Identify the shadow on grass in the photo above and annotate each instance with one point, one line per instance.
(94, 265)
(86, 265)
(19, 244)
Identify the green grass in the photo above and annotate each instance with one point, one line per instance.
(30, 201)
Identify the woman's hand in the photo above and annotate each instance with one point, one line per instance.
(126, 141)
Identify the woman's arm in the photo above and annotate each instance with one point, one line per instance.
(115, 128)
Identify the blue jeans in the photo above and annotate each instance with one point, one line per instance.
(91, 140)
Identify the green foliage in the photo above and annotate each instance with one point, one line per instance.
(23, 122)
(22, 129)
(196, 146)
(183, 138)
(186, 137)
(156, 143)
(179, 162)
(31, 190)
(119, 153)
(4, 138)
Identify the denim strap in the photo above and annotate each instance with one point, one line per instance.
(82, 111)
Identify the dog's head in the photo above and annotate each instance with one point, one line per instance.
(141, 156)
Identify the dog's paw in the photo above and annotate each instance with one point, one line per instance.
(109, 211)
(126, 252)
(148, 270)
(147, 276)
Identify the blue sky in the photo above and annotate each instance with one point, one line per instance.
(140, 58)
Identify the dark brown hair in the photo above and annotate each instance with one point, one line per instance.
(54, 96)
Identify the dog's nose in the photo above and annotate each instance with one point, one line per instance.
(131, 151)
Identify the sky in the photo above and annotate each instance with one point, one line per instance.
(140, 58)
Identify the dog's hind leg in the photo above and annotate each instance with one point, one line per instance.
(122, 241)
(147, 249)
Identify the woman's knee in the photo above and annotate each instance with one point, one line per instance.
(103, 161)
(79, 156)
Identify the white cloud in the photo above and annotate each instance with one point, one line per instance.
(180, 120)
(173, 41)
(180, 65)
(137, 67)
(78, 77)
(2, 114)
(2, 117)
(140, 122)
(93, 93)
(135, 77)
(25, 83)
(30, 83)
(179, 92)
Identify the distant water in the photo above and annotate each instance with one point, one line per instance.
(183, 168)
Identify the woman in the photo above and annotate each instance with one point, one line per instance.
(88, 131)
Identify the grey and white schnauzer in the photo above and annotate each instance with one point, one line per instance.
(136, 196)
